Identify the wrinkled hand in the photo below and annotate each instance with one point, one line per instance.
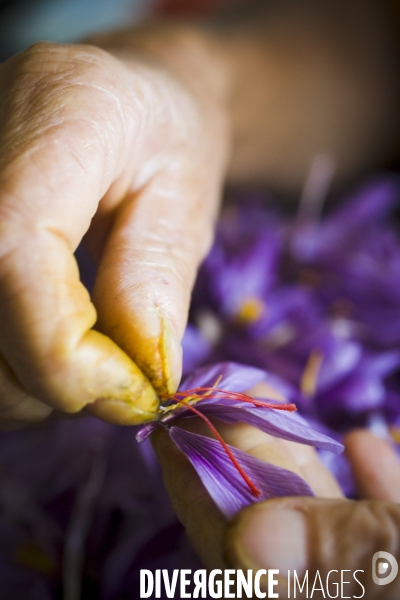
(122, 151)
(323, 533)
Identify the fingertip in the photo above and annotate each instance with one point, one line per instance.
(124, 396)
(375, 464)
(268, 535)
(95, 374)
(158, 356)
(29, 410)
(313, 537)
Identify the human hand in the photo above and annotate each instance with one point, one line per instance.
(323, 533)
(127, 153)
(129, 148)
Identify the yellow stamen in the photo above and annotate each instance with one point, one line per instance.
(215, 384)
(250, 311)
(189, 399)
(309, 380)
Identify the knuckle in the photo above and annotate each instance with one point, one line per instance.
(385, 517)
(39, 74)
(53, 91)
(365, 527)
(49, 57)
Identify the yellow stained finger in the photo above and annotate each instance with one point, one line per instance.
(45, 320)
(78, 126)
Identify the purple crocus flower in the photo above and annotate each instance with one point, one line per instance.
(354, 254)
(322, 242)
(248, 242)
(233, 478)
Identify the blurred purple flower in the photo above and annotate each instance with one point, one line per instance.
(320, 313)
(315, 302)
(354, 255)
(249, 243)
(322, 241)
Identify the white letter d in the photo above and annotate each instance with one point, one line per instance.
(145, 574)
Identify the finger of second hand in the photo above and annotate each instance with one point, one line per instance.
(375, 464)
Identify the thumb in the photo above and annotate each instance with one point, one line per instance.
(309, 535)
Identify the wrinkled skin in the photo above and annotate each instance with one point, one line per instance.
(127, 143)
(96, 146)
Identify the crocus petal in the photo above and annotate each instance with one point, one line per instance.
(314, 241)
(248, 243)
(146, 430)
(382, 365)
(223, 482)
(276, 423)
(195, 349)
(234, 377)
(371, 202)
(359, 392)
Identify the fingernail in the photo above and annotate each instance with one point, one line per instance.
(171, 356)
(270, 538)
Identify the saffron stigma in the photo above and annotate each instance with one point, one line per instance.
(187, 398)
(197, 394)
(252, 487)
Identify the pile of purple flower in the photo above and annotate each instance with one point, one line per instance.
(311, 306)
(314, 302)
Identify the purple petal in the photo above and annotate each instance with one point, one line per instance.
(340, 468)
(243, 262)
(342, 360)
(195, 349)
(382, 365)
(359, 392)
(275, 422)
(146, 430)
(314, 241)
(235, 377)
(222, 480)
(371, 203)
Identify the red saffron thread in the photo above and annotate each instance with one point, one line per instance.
(215, 392)
(253, 488)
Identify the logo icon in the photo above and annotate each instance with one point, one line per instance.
(384, 568)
